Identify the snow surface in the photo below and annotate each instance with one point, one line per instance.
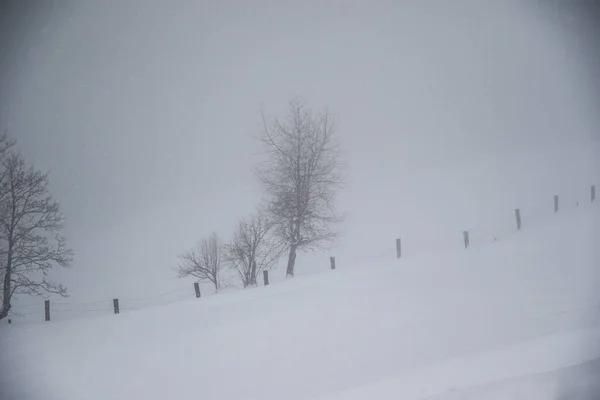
(578, 382)
(505, 319)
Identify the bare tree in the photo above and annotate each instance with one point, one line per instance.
(252, 249)
(301, 175)
(203, 261)
(30, 244)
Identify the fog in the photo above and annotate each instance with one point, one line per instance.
(450, 114)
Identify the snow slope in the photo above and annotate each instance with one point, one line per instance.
(439, 326)
(575, 382)
(508, 367)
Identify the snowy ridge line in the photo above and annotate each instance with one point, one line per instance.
(501, 228)
(412, 250)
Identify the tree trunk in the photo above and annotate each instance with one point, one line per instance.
(6, 289)
(253, 273)
(5, 296)
(4, 311)
(291, 262)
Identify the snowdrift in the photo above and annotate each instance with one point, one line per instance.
(432, 326)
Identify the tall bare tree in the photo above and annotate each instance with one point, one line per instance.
(204, 261)
(252, 249)
(301, 175)
(30, 243)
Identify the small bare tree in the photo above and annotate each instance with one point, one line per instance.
(252, 249)
(301, 175)
(30, 244)
(203, 261)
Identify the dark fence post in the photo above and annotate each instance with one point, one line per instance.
(266, 277)
(47, 310)
(116, 305)
(593, 193)
(518, 217)
(398, 248)
(197, 289)
(332, 262)
(466, 238)
(555, 203)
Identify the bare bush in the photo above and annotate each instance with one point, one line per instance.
(252, 249)
(204, 261)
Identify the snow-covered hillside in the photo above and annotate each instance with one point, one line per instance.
(474, 322)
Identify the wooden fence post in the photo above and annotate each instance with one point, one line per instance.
(398, 248)
(555, 203)
(593, 193)
(266, 277)
(466, 238)
(47, 310)
(518, 217)
(332, 262)
(116, 305)
(197, 289)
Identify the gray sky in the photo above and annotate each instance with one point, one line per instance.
(450, 114)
